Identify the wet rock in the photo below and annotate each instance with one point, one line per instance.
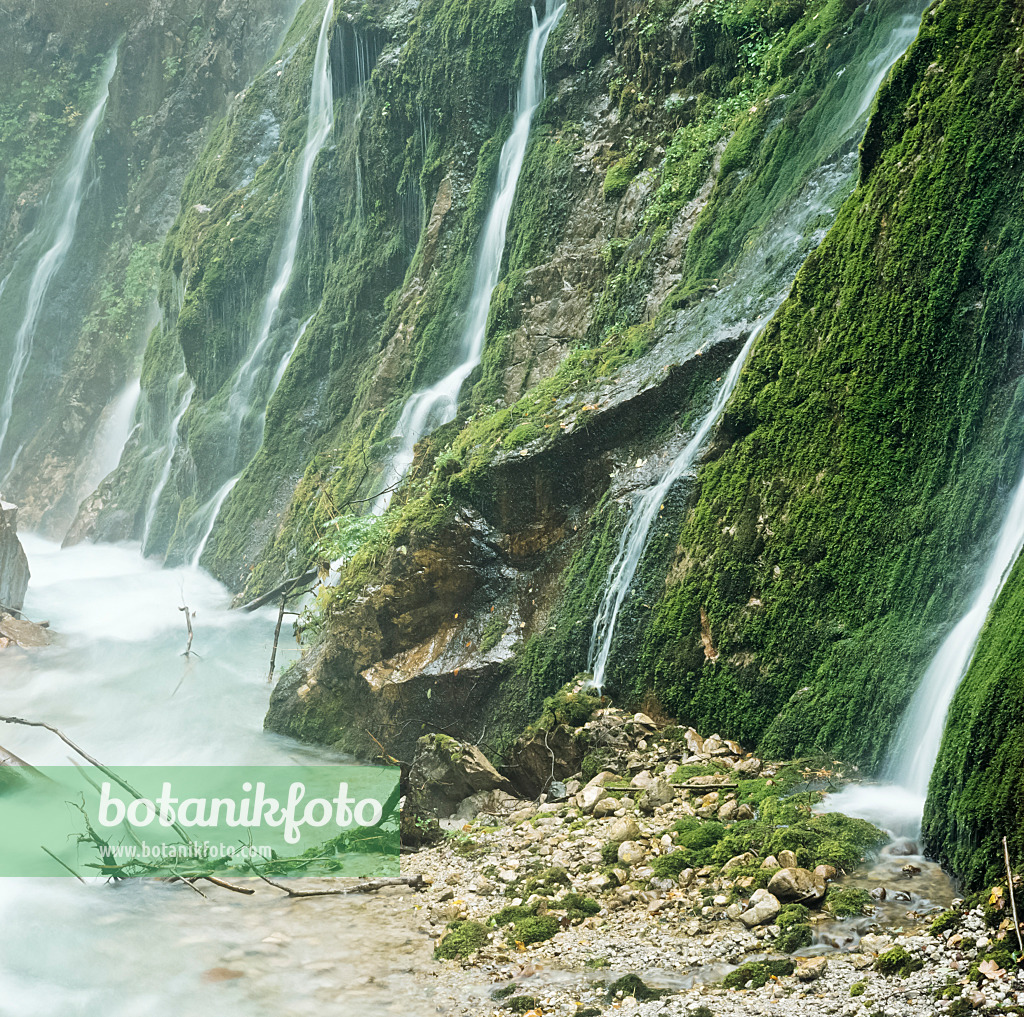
(498, 804)
(744, 812)
(727, 813)
(14, 571)
(797, 884)
(660, 792)
(445, 772)
(25, 633)
(764, 906)
(825, 871)
(787, 859)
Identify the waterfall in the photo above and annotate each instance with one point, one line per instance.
(920, 733)
(767, 267)
(116, 426)
(59, 219)
(319, 125)
(641, 517)
(899, 805)
(287, 358)
(208, 516)
(437, 404)
(169, 449)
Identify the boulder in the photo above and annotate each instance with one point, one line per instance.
(25, 633)
(14, 572)
(797, 884)
(588, 798)
(445, 772)
(532, 763)
(763, 908)
(787, 860)
(727, 813)
(498, 804)
(748, 767)
(605, 807)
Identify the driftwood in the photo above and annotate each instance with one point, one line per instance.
(285, 589)
(188, 622)
(120, 781)
(366, 886)
(277, 636)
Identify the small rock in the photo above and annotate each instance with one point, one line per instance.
(764, 906)
(631, 852)
(797, 884)
(605, 807)
(810, 969)
(623, 829)
(787, 860)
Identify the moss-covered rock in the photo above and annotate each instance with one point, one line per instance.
(461, 938)
(898, 961)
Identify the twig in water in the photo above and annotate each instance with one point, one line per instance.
(247, 890)
(89, 759)
(1013, 900)
(188, 622)
(277, 636)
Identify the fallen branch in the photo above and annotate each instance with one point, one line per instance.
(247, 890)
(287, 588)
(366, 886)
(1013, 900)
(188, 622)
(277, 636)
(120, 781)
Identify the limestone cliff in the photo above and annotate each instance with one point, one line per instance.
(14, 572)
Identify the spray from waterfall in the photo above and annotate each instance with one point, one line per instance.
(241, 402)
(60, 217)
(437, 404)
(641, 517)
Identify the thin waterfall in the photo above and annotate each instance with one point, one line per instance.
(641, 517)
(775, 249)
(898, 805)
(169, 450)
(436, 405)
(287, 358)
(920, 733)
(319, 125)
(60, 218)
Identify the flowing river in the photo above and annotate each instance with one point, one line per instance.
(116, 682)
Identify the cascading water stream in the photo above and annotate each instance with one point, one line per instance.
(60, 217)
(437, 404)
(899, 805)
(319, 125)
(641, 517)
(169, 449)
(116, 425)
(767, 267)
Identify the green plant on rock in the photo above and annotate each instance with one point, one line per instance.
(757, 973)
(633, 985)
(462, 938)
(847, 901)
(898, 961)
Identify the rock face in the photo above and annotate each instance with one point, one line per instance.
(14, 571)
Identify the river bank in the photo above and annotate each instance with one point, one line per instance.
(559, 907)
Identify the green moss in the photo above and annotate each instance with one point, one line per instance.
(868, 445)
(521, 1004)
(857, 989)
(796, 937)
(633, 985)
(669, 866)
(898, 961)
(847, 901)
(944, 922)
(535, 929)
(620, 173)
(461, 939)
(757, 973)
